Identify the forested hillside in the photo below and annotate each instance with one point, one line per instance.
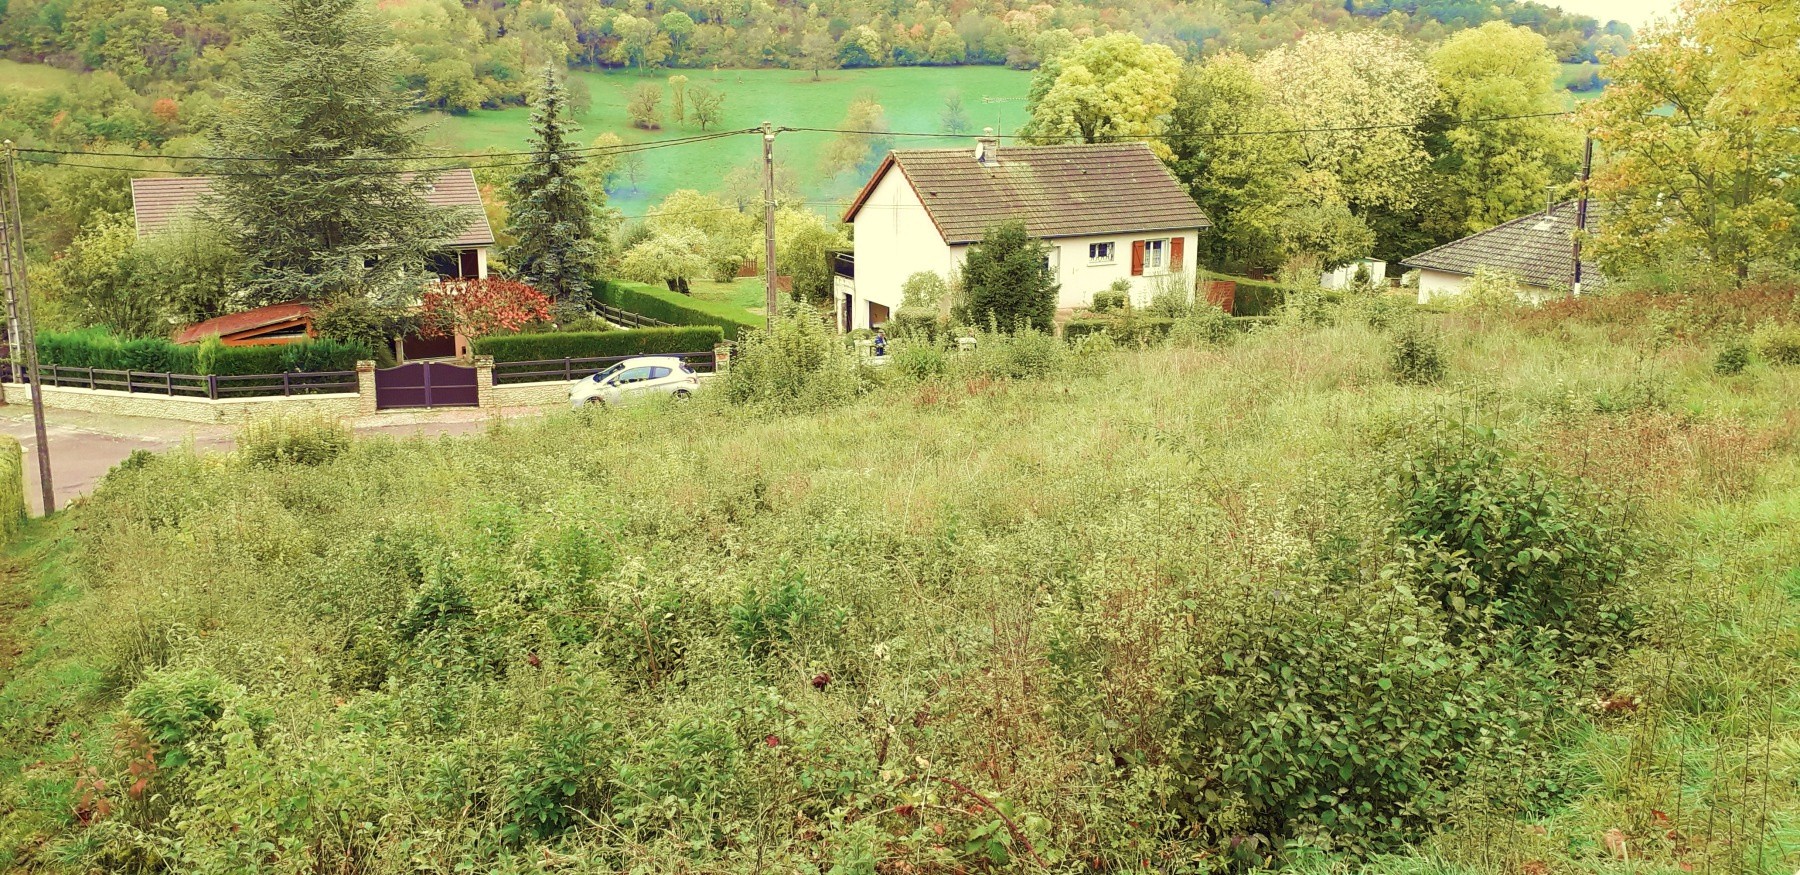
(466, 54)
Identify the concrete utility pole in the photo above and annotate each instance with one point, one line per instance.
(1581, 210)
(771, 301)
(18, 310)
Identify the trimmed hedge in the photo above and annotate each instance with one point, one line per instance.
(673, 307)
(95, 348)
(1137, 329)
(1256, 298)
(12, 488)
(598, 344)
(1144, 329)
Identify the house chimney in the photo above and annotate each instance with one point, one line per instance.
(987, 146)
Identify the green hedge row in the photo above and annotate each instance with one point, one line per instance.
(12, 488)
(599, 344)
(1144, 329)
(1257, 298)
(672, 307)
(94, 348)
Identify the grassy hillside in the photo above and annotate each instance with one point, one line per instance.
(913, 98)
(35, 77)
(1187, 610)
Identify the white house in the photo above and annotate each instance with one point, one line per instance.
(1109, 212)
(1538, 250)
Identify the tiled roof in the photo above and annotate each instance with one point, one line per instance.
(159, 201)
(1539, 249)
(236, 323)
(1058, 191)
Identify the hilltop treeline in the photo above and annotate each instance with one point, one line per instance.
(464, 54)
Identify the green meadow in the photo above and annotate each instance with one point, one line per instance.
(912, 96)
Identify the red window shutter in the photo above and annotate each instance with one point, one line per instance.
(1137, 258)
(1175, 252)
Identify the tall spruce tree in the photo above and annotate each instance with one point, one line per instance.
(317, 86)
(553, 215)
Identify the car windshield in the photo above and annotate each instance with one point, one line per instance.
(603, 375)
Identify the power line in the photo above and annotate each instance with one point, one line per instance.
(622, 148)
(1127, 139)
(428, 171)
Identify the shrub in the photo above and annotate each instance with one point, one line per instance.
(12, 488)
(299, 440)
(598, 344)
(1733, 357)
(1114, 299)
(177, 707)
(1205, 326)
(919, 361)
(1502, 544)
(1779, 345)
(674, 308)
(1007, 281)
(1416, 358)
(801, 365)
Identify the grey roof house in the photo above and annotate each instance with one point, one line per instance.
(159, 202)
(1538, 249)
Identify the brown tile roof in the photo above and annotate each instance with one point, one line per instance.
(1539, 249)
(1059, 191)
(236, 323)
(159, 201)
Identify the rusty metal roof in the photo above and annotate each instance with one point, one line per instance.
(1058, 191)
(159, 201)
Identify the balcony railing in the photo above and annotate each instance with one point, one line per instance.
(843, 264)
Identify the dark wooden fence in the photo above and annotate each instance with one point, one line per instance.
(211, 386)
(627, 318)
(549, 370)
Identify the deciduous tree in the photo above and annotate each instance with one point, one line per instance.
(1701, 129)
(480, 307)
(1500, 168)
(1106, 89)
(645, 108)
(709, 106)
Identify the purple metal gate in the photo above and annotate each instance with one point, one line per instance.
(425, 384)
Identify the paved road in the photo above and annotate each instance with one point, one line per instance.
(84, 446)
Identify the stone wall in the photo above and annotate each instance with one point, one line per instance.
(555, 394)
(201, 410)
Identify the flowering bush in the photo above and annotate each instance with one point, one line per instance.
(482, 307)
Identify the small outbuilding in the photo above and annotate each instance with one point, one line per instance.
(289, 322)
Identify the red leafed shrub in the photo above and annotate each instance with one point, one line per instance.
(481, 307)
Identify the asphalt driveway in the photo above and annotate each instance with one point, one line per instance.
(84, 446)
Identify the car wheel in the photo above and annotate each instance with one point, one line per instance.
(683, 394)
(596, 401)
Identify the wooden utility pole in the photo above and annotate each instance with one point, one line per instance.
(22, 338)
(771, 300)
(1581, 212)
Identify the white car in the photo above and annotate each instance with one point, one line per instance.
(635, 380)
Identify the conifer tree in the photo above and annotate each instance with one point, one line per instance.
(316, 88)
(554, 217)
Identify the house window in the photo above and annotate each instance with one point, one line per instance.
(1156, 254)
(1100, 253)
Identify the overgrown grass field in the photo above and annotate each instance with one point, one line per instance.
(913, 98)
(1276, 601)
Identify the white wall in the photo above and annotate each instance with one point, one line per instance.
(1081, 278)
(894, 239)
(1438, 284)
(1444, 286)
